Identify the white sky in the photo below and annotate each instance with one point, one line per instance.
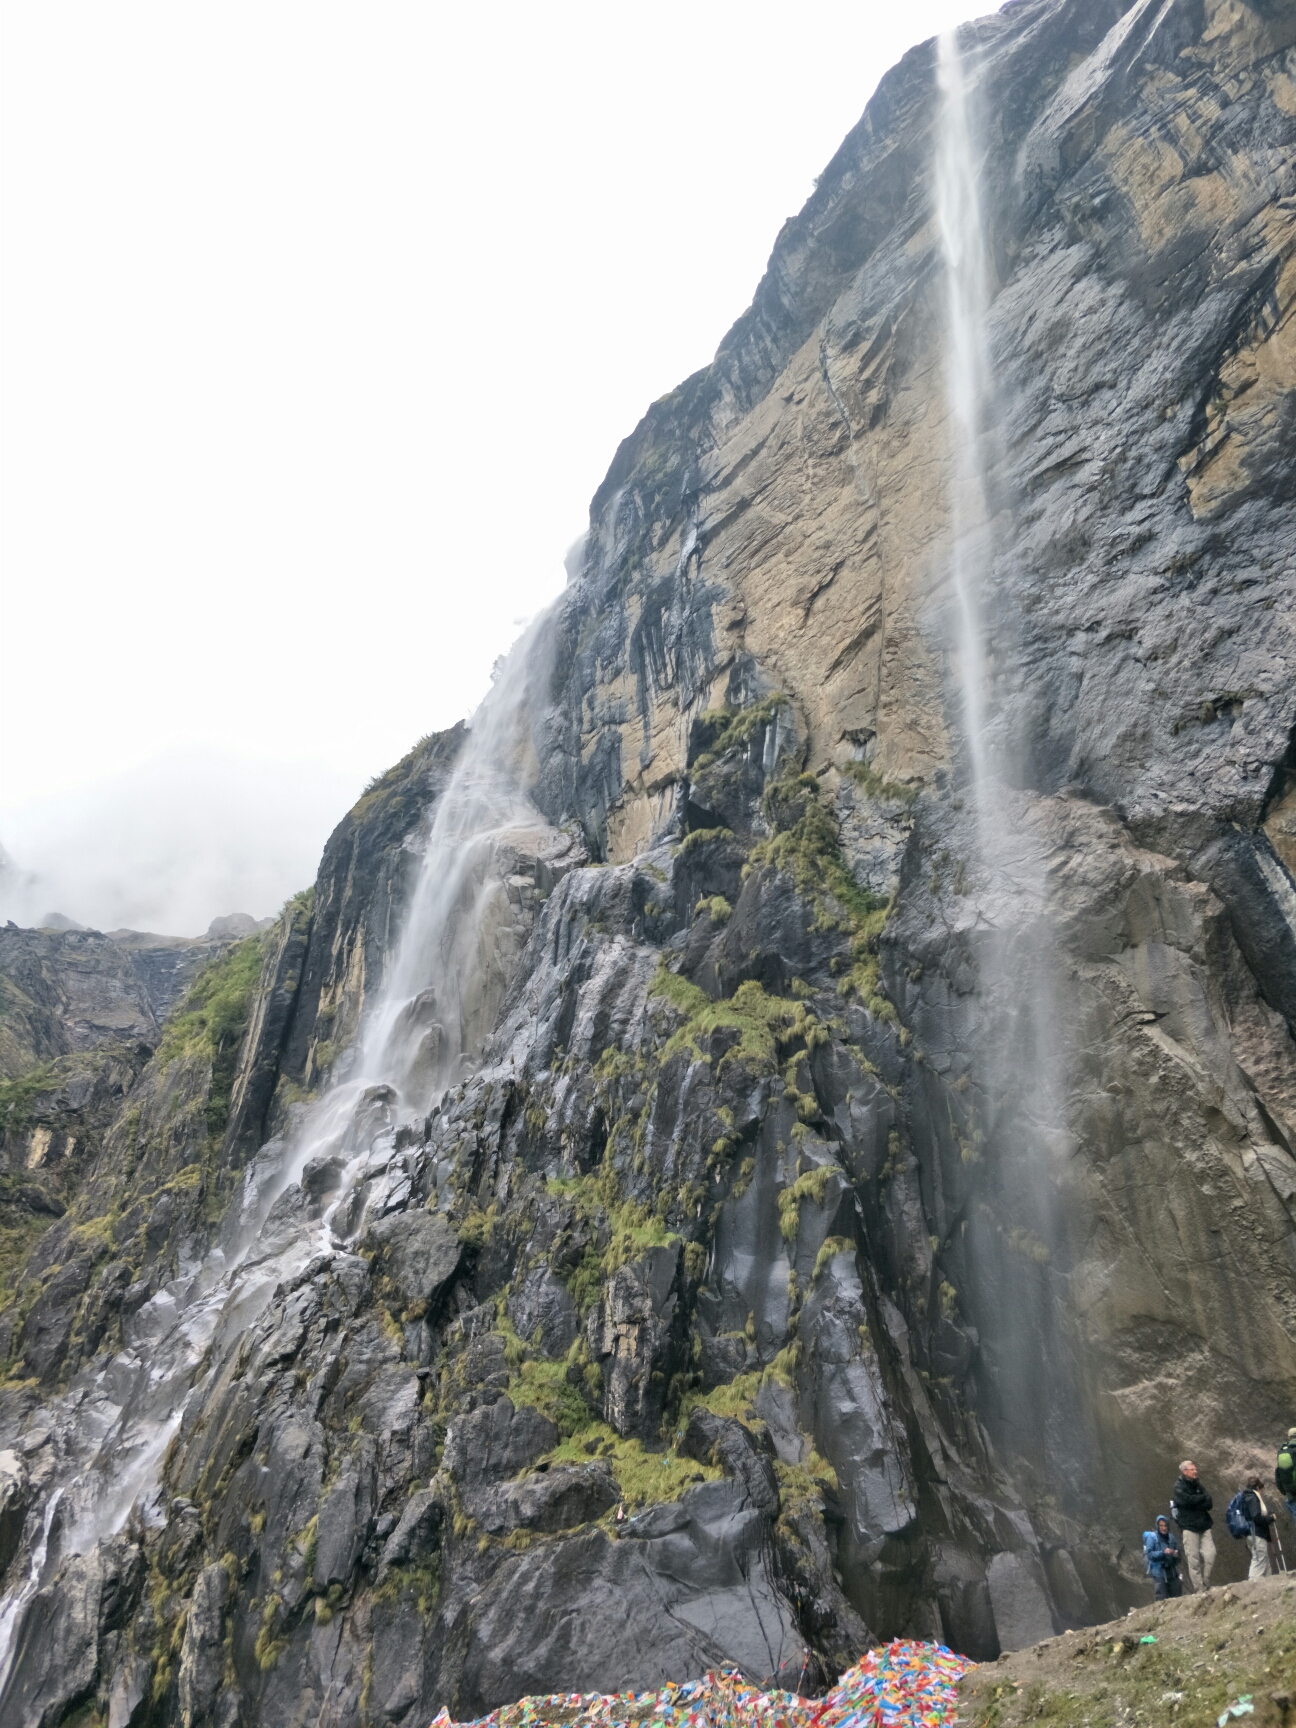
(321, 324)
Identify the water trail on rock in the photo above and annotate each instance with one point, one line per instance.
(958, 209)
(1015, 1108)
(460, 936)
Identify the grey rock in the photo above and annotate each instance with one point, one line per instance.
(345, 1517)
(776, 1406)
(131, 1685)
(56, 1658)
(415, 1538)
(202, 1655)
(634, 1336)
(691, 1580)
(14, 1498)
(716, 1440)
(418, 1251)
(556, 1499)
(1020, 1598)
(954, 1210)
(543, 1305)
(496, 1442)
(235, 925)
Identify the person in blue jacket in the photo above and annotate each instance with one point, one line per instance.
(1163, 1555)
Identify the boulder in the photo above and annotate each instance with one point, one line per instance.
(497, 1441)
(723, 1441)
(418, 1251)
(559, 1498)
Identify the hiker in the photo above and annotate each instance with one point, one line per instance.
(1261, 1522)
(1190, 1508)
(1162, 1553)
(1285, 1473)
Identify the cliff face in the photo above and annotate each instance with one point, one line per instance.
(876, 1178)
(80, 1015)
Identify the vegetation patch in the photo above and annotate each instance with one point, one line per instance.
(812, 1186)
(546, 1387)
(806, 845)
(764, 1023)
(802, 1486)
(832, 1247)
(878, 787)
(211, 1021)
(646, 1475)
(720, 730)
(701, 837)
(18, 1098)
(630, 1227)
(715, 907)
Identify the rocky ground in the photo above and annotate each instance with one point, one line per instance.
(1235, 1642)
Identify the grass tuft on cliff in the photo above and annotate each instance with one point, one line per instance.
(764, 1023)
(211, 1021)
(720, 730)
(806, 844)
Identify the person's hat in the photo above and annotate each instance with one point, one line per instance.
(1291, 1433)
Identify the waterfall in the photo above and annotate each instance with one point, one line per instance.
(958, 210)
(1015, 1021)
(437, 1002)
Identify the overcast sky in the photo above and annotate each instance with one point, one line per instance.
(321, 324)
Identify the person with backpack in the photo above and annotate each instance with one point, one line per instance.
(1285, 1472)
(1190, 1507)
(1162, 1554)
(1247, 1508)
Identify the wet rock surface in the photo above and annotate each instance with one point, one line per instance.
(834, 1231)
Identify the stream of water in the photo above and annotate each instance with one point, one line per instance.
(962, 233)
(113, 1426)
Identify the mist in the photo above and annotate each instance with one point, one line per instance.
(322, 325)
(173, 844)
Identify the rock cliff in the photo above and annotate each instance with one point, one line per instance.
(867, 1175)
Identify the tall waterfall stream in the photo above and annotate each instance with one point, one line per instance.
(437, 1001)
(963, 247)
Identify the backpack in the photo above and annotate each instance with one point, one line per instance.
(1235, 1517)
(1286, 1466)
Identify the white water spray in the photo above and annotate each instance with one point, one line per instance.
(438, 1001)
(958, 209)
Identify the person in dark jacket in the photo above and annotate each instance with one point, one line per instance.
(1190, 1507)
(1163, 1557)
(1285, 1472)
(1261, 1520)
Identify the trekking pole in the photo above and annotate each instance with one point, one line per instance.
(1282, 1558)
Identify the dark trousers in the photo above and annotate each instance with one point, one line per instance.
(1169, 1585)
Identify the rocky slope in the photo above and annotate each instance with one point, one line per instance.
(80, 1015)
(64, 992)
(1186, 1660)
(872, 1198)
